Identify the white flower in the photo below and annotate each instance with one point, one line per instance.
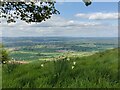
(74, 63)
(4, 62)
(72, 67)
(42, 65)
(68, 59)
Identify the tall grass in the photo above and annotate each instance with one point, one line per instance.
(96, 71)
(0, 76)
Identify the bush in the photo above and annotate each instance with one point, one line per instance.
(4, 55)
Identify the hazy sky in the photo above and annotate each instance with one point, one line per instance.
(75, 20)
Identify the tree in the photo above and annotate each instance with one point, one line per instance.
(29, 11)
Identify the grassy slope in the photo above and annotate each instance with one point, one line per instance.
(0, 76)
(98, 70)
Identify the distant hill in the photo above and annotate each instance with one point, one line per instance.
(98, 70)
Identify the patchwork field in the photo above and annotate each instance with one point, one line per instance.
(48, 48)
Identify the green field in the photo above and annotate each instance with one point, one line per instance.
(99, 70)
(48, 48)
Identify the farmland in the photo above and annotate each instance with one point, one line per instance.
(48, 48)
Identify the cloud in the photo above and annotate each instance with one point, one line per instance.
(55, 21)
(59, 26)
(0, 33)
(98, 16)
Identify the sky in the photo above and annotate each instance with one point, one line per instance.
(100, 19)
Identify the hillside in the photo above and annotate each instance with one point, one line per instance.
(98, 70)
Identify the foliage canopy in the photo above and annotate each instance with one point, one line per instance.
(27, 11)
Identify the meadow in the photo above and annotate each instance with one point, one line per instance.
(0, 76)
(61, 63)
(96, 71)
